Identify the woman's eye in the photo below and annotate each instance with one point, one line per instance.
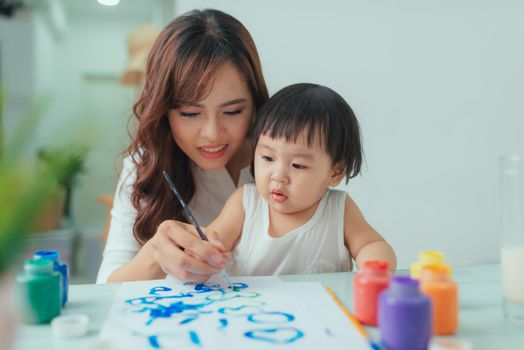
(188, 114)
(267, 158)
(299, 166)
(234, 112)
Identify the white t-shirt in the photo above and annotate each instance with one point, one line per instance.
(212, 189)
(315, 247)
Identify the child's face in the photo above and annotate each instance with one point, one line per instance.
(211, 131)
(291, 176)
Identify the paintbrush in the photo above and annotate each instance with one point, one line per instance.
(191, 218)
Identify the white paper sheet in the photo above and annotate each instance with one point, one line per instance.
(258, 313)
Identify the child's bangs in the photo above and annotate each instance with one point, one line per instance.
(291, 123)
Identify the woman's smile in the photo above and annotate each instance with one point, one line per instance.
(213, 151)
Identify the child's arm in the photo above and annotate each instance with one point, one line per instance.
(228, 224)
(362, 241)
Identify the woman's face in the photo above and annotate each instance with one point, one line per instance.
(210, 131)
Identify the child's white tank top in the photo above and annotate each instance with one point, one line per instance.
(315, 247)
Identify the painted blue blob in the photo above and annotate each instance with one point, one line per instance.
(375, 346)
(283, 335)
(156, 290)
(204, 288)
(187, 320)
(223, 323)
(175, 308)
(274, 317)
(152, 300)
(194, 338)
(238, 286)
(224, 310)
(153, 341)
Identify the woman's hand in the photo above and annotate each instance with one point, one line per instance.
(181, 253)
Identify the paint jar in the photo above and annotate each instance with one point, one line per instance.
(436, 283)
(512, 243)
(61, 267)
(433, 257)
(40, 291)
(404, 315)
(368, 283)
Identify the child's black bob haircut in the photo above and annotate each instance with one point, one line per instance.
(319, 111)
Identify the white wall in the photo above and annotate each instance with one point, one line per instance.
(17, 70)
(437, 87)
(77, 75)
(92, 107)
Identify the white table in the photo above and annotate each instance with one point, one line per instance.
(481, 319)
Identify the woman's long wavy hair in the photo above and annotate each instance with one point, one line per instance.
(180, 66)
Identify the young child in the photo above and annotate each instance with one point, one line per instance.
(290, 221)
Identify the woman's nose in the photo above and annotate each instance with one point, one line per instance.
(211, 128)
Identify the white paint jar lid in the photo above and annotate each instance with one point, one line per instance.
(69, 326)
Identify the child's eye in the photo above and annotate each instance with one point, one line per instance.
(267, 158)
(234, 112)
(189, 114)
(299, 166)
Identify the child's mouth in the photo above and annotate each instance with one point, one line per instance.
(278, 196)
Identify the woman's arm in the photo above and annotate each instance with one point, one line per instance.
(121, 245)
(175, 248)
(362, 241)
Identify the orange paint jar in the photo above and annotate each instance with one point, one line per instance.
(368, 283)
(436, 282)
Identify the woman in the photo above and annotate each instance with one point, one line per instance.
(203, 85)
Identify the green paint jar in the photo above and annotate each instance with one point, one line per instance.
(40, 291)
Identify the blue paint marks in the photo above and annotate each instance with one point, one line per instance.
(188, 306)
(283, 335)
(194, 338)
(223, 323)
(156, 290)
(187, 320)
(175, 308)
(375, 346)
(238, 286)
(153, 341)
(273, 317)
(229, 310)
(204, 288)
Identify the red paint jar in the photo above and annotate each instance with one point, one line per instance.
(368, 283)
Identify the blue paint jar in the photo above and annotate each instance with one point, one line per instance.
(61, 267)
(39, 291)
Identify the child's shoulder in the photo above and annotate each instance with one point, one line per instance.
(333, 192)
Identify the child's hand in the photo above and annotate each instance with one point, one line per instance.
(181, 253)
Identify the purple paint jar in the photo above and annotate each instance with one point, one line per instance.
(404, 315)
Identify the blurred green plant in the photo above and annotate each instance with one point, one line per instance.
(1, 121)
(65, 163)
(24, 186)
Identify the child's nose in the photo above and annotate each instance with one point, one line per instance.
(279, 176)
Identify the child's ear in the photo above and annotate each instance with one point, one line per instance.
(337, 175)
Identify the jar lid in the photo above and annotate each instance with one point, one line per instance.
(376, 265)
(46, 254)
(69, 326)
(446, 343)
